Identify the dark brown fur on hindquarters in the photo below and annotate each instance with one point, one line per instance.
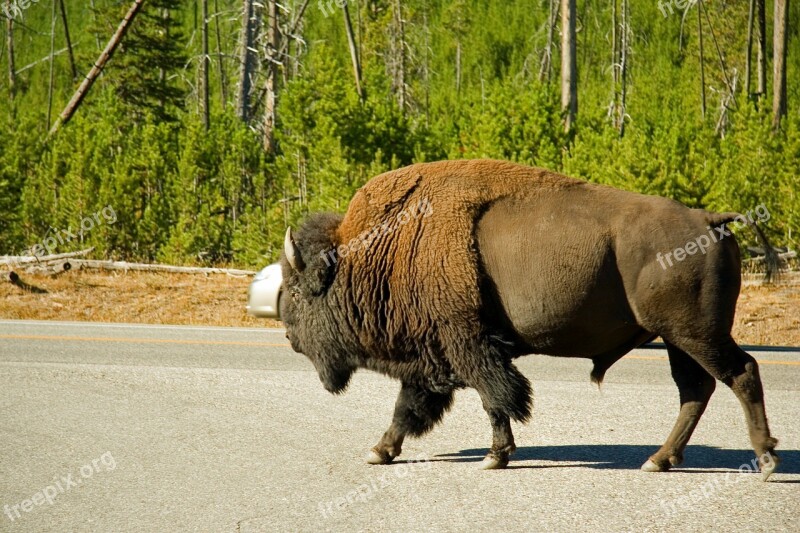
(475, 263)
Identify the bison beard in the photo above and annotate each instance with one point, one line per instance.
(512, 260)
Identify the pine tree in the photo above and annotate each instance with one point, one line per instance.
(146, 72)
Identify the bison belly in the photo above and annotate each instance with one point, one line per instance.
(552, 275)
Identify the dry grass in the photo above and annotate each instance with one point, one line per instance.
(768, 315)
(134, 297)
(765, 315)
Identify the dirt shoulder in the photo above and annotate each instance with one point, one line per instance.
(768, 315)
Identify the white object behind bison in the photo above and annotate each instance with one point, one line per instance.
(511, 260)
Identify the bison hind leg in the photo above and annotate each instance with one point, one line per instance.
(695, 387)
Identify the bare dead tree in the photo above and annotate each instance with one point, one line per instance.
(614, 50)
(45, 59)
(569, 67)
(223, 81)
(398, 56)
(623, 65)
(425, 65)
(71, 56)
(351, 41)
(619, 79)
(728, 83)
(292, 34)
(246, 62)
(12, 76)
(545, 67)
(725, 102)
(205, 64)
(749, 55)
(272, 78)
(780, 34)
(51, 84)
(762, 47)
(105, 56)
(702, 63)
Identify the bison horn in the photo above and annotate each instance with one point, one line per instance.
(291, 252)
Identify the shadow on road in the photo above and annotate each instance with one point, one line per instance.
(628, 457)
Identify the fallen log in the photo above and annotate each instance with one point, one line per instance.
(783, 256)
(18, 260)
(51, 269)
(143, 267)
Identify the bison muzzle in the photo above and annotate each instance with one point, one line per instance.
(441, 274)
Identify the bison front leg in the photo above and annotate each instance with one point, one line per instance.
(502, 442)
(416, 412)
(506, 396)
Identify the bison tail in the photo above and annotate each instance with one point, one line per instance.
(771, 258)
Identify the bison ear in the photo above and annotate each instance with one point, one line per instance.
(292, 252)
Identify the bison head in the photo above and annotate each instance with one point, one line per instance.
(314, 307)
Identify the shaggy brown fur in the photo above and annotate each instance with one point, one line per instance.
(455, 268)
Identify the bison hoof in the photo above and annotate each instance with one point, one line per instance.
(376, 457)
(651, 466)
(494, 462)
(768, 467)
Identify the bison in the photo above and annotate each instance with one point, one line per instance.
(441, 274)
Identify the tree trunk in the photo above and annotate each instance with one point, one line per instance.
(289, 37)
(205, 65)
(702, 65)
(272, 78)
(623, 68)
(51, 83)
(72, 66)
(780, 33)
(292, 29)
(762, 47)
(351, 41)
(105, 56)
(748, 56)
(728, 83)
(399, 59)
(245, 63)
(12, 76)
(425, 67)
(223, 79)
(614, 50)
(569, 67)
(545, 67)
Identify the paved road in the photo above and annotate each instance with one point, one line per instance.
(140, 428)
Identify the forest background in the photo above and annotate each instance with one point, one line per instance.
(207, 135)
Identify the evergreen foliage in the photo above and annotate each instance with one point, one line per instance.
(186, 195)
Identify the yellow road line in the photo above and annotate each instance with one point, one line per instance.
(270, 344)
(137, 341)
(760, 361)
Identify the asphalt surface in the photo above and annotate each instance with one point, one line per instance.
(147, 428)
